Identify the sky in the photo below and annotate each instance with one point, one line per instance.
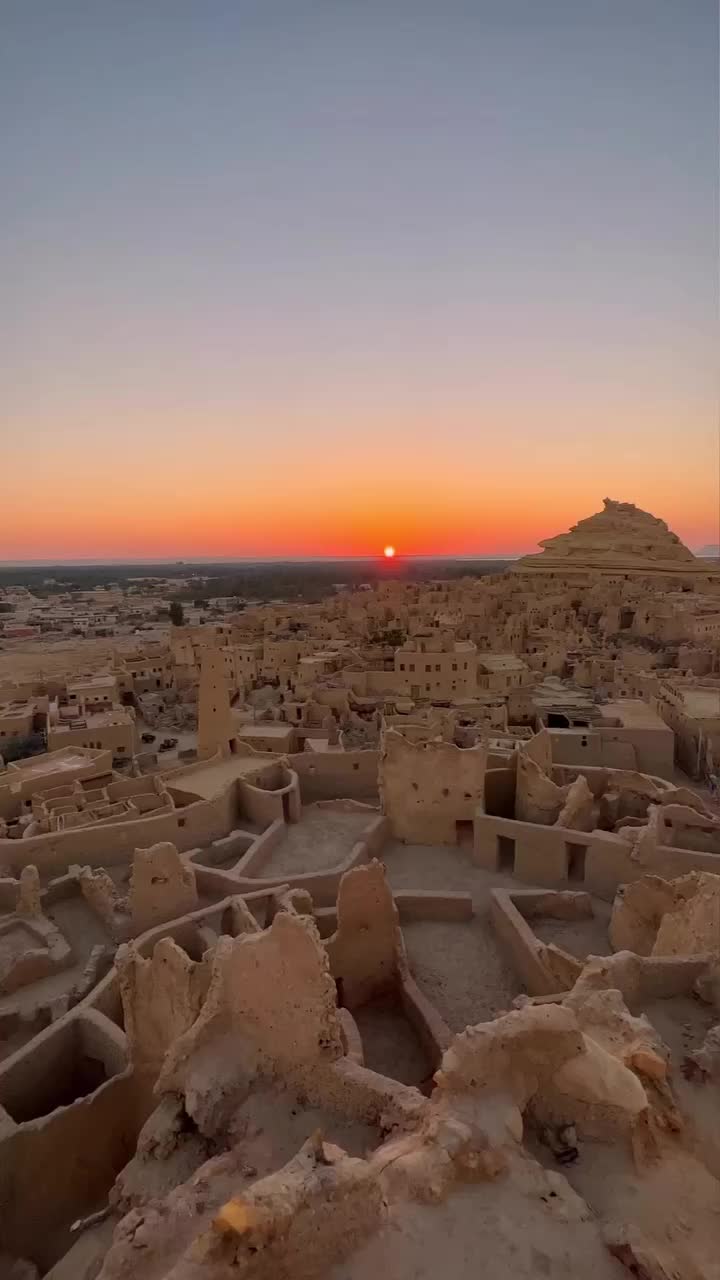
(311, 277)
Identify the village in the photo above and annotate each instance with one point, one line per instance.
(382, 930)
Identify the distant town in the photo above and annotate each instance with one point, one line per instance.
(341, 890)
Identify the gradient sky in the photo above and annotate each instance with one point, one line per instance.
(310, 277)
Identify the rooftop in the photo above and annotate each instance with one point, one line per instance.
(702, 703)
(633, 714)
(501, 662)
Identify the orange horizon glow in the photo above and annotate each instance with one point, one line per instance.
(229, 344)
(442, 524)
(218, 490)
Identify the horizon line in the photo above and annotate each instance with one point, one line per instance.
(179, 561)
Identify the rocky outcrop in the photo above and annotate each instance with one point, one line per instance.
(621, 536)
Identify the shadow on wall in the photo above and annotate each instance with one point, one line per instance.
(72, 1113)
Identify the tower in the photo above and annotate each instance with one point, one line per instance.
(215, 731)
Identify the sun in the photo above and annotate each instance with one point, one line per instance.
(389, 552)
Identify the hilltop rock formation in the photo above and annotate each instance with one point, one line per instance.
(620, 537)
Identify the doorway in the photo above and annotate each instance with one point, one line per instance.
(576, 862)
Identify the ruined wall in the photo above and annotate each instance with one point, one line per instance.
(60, 1165)
(107, 845)
(337, 775)
(162, 887)
(537, 798)
(693, 926)
(602, 861)
(366, 951)
(541, 749)
(572, 746)
(499, 797)
(161, 996)
(427, 788)
(271, 1000)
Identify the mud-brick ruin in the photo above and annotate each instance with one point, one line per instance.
(439, 992)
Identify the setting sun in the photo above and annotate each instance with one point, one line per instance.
(389, 552)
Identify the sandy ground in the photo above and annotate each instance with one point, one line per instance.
(461, 969)
(390, 1044)
(504, 1230)
(71, 654)
(442, 866)
(581, 938)
(675, 1201)
(321, 839)
(459, 966)
(683, 1023)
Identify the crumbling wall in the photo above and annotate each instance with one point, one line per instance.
(637, 911)
(426, 788)
(100, 892)
(512, 1054)
(337, 775)
(270, 1007)
(112, 843)
(366, 951)
(579, 810)
(540, 749)
(162, 886)
(539, 1056)
(29, 903)
(537, 798)
(60, 1166)
(692, 927)
(658, 917)
(289, 1225)
(161, 998)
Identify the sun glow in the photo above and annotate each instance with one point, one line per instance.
(389, 552)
